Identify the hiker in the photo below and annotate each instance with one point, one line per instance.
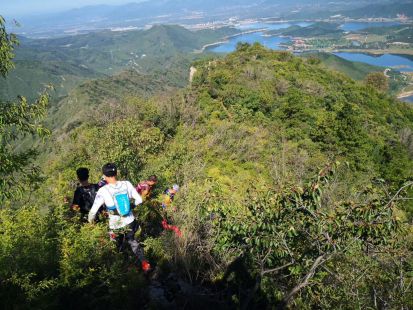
(168, 198)
(85, 194)
(169, 195)
(116, 196)
(144, 188)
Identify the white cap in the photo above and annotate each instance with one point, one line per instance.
(175, 187)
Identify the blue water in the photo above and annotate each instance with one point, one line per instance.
(407, 99)
(268, 26)
(269, 42)
(387, 60)
(358, 26)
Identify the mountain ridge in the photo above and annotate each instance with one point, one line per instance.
(164, 11)
(68, 60)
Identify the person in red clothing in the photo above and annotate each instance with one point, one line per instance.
(144, 188)
(168, 199)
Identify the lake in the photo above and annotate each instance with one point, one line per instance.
(231, 45)
(268, 26)
(407, 99)
(390, 61)
(387, 60)
(272, 42)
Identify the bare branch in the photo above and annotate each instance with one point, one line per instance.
(264, 272)
(258, 283)
(305, 281)
(398, 192)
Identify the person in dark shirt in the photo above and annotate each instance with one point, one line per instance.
(85, 193)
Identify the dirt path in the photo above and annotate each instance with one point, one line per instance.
(192, 72)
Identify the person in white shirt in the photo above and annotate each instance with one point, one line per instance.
(116, 195)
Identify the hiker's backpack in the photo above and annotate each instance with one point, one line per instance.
(121, 200)
(87, 195)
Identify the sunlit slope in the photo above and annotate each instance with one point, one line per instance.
(109, 51)
(326, 114)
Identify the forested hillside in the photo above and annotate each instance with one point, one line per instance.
(294, 193)
(68, 61)
(318, 29)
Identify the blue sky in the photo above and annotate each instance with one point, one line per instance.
(17, 8)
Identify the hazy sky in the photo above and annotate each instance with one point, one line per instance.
(16, 8)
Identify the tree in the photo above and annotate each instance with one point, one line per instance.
(17, 120)
(293, 240)
(7, 44)
(377, 80)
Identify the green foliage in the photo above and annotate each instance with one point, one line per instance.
(69, 61)
(29, 76)
(355, 70)
(7, 45)
(358, 70)
(86, 255)
(46, 260)
(128, 144)
(244, 141)
(323, 110)
(252, 199)
(17, 120)
(28, 256)
(295, 228)
(377, 80)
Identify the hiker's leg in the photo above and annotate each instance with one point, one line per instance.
(130, 238)
(117, 236)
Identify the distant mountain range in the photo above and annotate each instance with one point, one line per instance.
(91, 18)
(385, 10)
(378, 9)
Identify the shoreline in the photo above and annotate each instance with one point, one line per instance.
(245, 32)
(375, 52)
(277, 20)
(371, 52)
(405, 94)
(203, 48)
(327, 50)
(226, 39)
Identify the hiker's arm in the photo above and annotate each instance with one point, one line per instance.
(144, 193)
(134, 194)
(76, 201)
(99, 201)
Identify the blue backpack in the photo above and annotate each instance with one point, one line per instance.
(122, 203)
